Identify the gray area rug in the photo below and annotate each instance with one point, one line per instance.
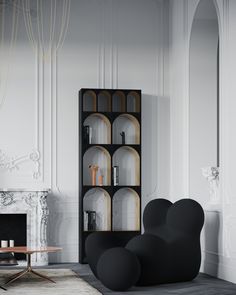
(67, 282)
(202, 285)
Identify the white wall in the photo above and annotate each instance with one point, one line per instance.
(219, 255)
(120, 44)
(112, 44)
(203, 145)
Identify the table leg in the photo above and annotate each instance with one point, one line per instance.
(3, 288)
(21, 274)
(28, 269)
(42, 276)
(14, 276)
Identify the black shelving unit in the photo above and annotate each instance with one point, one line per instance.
(110, 105)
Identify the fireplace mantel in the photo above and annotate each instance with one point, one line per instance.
(34, 204)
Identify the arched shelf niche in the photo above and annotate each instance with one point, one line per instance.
(97, 156)
(118, 101)
(98, 200)
(104, 101)
(133, 102)
(126, 210)
(101, 128)
(128, 124)
(89, 101)
(128, 161)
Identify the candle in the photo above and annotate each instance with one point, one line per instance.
(4, 243)
(100, 178)
(93, 171)
(12, 243)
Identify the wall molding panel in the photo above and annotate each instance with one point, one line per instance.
(12, 163)
(109, 60)
(39, 113)
(54, 122)
(224, 258)
(120, 45)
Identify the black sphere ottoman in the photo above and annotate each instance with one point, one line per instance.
(118, 269)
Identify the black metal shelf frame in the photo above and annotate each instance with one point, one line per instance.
(104, 99)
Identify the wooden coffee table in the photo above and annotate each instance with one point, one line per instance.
(28, 251)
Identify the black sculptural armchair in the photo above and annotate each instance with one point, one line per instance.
(169, 250)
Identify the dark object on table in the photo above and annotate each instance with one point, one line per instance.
(169, 250)
(7, 259)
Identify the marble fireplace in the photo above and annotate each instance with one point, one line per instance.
(34, 205)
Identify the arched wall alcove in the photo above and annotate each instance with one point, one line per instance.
(126, 210)
(101, 128)
(98, 200)
(203, 97)
(97, 156)
(128, 161)
(130, 125)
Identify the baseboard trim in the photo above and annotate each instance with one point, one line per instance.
(219, 270)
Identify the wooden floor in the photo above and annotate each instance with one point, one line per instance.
(202, 285)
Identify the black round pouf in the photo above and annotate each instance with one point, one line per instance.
(118, 269)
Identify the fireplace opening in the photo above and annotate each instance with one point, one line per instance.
(13, 227)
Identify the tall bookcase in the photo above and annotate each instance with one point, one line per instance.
(109, 135)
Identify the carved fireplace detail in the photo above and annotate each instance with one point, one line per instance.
(34, 205)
